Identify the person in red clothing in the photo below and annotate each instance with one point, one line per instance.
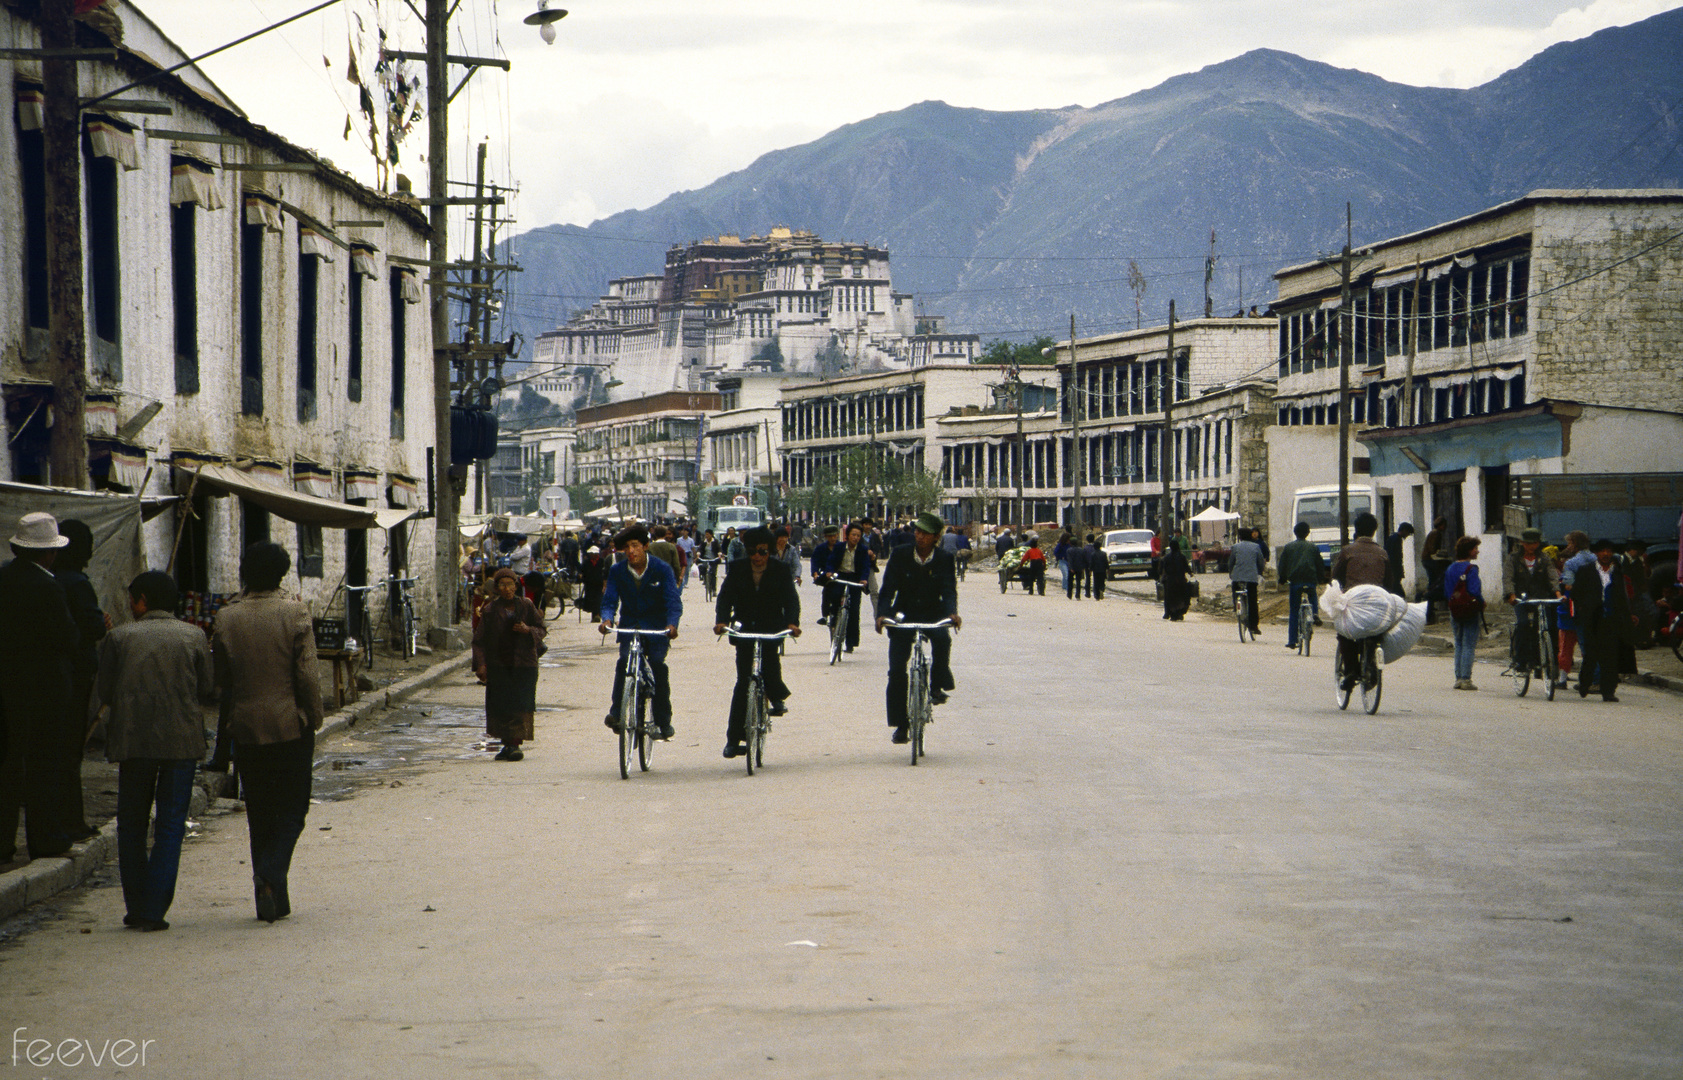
(1034, 567)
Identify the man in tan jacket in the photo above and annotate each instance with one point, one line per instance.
(271, 709)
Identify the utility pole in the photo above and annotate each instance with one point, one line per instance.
(61, 144)
(1344, 334)
(1017, 448)
(1167, 455)
(1077, 402)
(1209, 277)
(438, 251)
(475, 300)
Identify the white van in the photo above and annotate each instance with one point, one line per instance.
(1319, 507)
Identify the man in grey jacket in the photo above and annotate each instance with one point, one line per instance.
(1245, 571)
(154, 674)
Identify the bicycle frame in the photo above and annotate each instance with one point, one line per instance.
(757, 721)
(919, 708)
(838, 624)
(634, 729)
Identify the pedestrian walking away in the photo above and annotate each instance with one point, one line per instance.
(760, 597)
(506, 646)
(1464, 597)
(642, 594)
(1098, 568)
(919, 585)
(1395, 546)
(155, 673)
(38, 641)
(1034, 568)
(1301, 568)
(1175, 572)
(265, 651)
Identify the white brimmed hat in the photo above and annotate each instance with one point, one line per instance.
(39, 530)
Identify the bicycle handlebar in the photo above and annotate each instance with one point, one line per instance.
(364, 588)
(731, 633)
(1549, 600)
(845, 581)
(895, 624)
(639, 630)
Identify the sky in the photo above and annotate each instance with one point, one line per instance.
(638, 99)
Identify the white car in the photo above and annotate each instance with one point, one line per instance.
(1127, 551)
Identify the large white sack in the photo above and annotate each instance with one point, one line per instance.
(1369, 611)
(1399, 639)
(1332, 602)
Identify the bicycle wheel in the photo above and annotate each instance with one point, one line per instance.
(838, 631)
(627, 724)
(754, 724)
(1341, 691)
(1239, 614)
(408, 629)
(917, 699)
(1305, 627)
(645, 739)
(1551, 666)
(1373, 684)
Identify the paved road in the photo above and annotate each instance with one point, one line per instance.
(1135, 850)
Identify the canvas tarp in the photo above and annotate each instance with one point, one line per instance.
(1210, 513)
(295, 505)
(114, 521)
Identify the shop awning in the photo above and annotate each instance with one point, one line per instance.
(1211, 513)
(295, 505)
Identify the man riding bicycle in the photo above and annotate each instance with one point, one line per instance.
(821, 574)
(1360, 562)
(759, 594)
(920, 585)
(642, 594)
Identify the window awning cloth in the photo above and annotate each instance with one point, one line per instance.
(283, 502)
(190, 183)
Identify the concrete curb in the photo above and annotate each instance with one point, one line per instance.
(42, 879)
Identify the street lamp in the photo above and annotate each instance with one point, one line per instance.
(545, 19)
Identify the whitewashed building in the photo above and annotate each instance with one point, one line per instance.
(256, 341)
(1541, 339)
(744, 440)
(644, 454)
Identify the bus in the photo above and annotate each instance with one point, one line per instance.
(1319, 507)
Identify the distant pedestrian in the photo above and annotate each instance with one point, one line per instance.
(1244, 574)
(1034, 568)
(1601, 606)
(1394, 546)
(265, 651)
(1175, 572)
(1435, 558)
(38, 640)
(1098, 568)
(155, 674)
(506, 644)
(1464, 597)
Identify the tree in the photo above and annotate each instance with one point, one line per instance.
(582, 496)
(1005, 353)
(914, 490)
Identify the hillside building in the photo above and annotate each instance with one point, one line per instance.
(1536, 337)
(784, 302)
(645, 453)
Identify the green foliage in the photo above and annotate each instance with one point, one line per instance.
(1000, 351)
(866, 481)
(582, 497)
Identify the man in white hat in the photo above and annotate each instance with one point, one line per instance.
(37, 640)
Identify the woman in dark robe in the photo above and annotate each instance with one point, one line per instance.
(91, 625)
(1177, 583)
(594, 573)
(505, 657)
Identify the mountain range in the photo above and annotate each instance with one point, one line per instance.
(1005, 222)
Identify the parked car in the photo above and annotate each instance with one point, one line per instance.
(1127, 551)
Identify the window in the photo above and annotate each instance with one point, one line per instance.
(32, 167)
(353, 364)
(309, 291)
(184, 268)
(254, 524)
(309, 551)
(400, 351)
(251, 319)
(104, 263)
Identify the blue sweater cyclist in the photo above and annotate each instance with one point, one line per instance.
(642, 594)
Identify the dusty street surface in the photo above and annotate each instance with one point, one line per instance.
(1134, 850)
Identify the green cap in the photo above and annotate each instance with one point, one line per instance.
(930, 523)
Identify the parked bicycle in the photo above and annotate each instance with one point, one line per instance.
(1368, 676)
(636, 732)
(401, 627)
(838, 622)
(359, 628)
(1531, 648)
(757, 718)
(920, 707)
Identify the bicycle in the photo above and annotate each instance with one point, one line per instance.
(709, 571)
(920, 709)
(358, 626)
(1370, 678)
(756, 721)
(1305, 621)
(400, 616)
(635, 731)
(838, 622)
(1545, 665)
(1242, 612)
(559, 584)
